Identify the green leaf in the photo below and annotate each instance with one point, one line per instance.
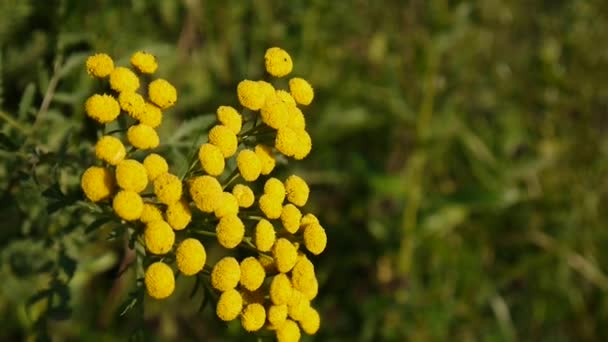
(27, 100)
(68, 264)
(197, 126)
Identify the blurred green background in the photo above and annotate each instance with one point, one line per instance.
(459, 162)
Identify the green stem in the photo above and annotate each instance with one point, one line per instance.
(231, 178)
(13, 122)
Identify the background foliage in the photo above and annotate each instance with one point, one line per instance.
(458, 164)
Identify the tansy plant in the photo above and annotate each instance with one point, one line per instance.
(265, 278)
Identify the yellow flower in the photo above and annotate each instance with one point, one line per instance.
(286, 97)
(277, 314)
(230, 231)
(266, 88)
(99, 65)
(278, 62)
(229, 305)
(249, 165)
(151, 115)
(296, 120)
(224, 138)
(227, 205)
(128, 205)
(144, 62)
(264, 235)
(162, 93)
(159, 237)
(290, 217)
(303, 278)
(178, 214)
(123, 79)
(286, 141)
(132, 103)
(297, 190)
(225, 274)
(289, 332)
(253, 317)
(252, 274)
(143, 137)
(280, 289)
(168, 188)
(110, 149)
(131, 175)
(102, 108)
(206, 192)
(315, 238)
(311, 321)
(284, 254)
(301, 91)
(250, 94)
(155, 166)
(308, 219)
(150, 213)
(266, 158)
(274, 112)
(159, 280)
(211, 159)
(275, 188)
(229, 117)
(270, 206)
(244, 195)
(190, 256)
(303, 145)
(297, 305)
(97, 183)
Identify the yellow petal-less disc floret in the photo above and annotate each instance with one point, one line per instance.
(278, 62)
(97, 183)
(297, 305)
(99, 65)
(143, 137)
(159, 237)
(303, 145)
(102, 108)
(226, 274)
(144, 62)
(150, 213)
(132, 103)
(296, 120)
(286, 97)
(206, 192)
(277, 314)
(315, 238)
(159, 280)
(290, 217)
(178, 214)
(265, 235)
(110, 149)
(227, 205)
(266, 88)
(131, 175)
(308, 219)
(289, 332)
(162, 93)
(275, 188)
(286, 141)
(224, 138)
(297, 190)
(249, 165)
(155, 166)
(229, 117)
(211, 159)
(303, 278)
(128, 205)
(230, 231)
(168, 188)
(250, 94)
(252, 274)
(244, 195)
(266, 158)
(280, 289)
(229, 305)
(253, 317)
(151, 115)
(190, 256)
(311, 321)
(285, 255)
(270, 206)
(274, 112)
(123, 79)
(301, 91)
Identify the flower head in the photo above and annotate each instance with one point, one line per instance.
(225, 274)
(301, 91)
(131, 175)
(264, 236)
(285, 97)
(132, 103)
(308, 219)
(271, 206)
(110, 149)
(297, 190)
(250, 94)
(277, 314)
(123, 79)
(296, 120)
(162, 93)
(167, 188)
(206, 192)
(303, 145)
(275, 188)
(224, 138)
(230, 231)
(284, 254)
(97, 183)
(280, 289)
(155, 166)
(253, 317)
(211, 159)
(229, 305)
(151, 115)
(102, 108)
(144, 62)
(99, 65)
(143, 137)
(288, 332)
(249, 165)
(315, 238)
(190, 256)
(229, 117)
(297, 305)
(178, 214)
(159, 280)
(311, 321)
(159, 237)
(290, 217)
(286, 141)
(252, 274)
(244, 195)
(228, 205)
(266, 88)
(266, 158)
(128, 205)
(278, 62)
(150, 213)
(274, 112)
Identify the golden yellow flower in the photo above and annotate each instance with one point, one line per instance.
(224, 138)
(206, 192)
(253, 317)
(159, 237)
(97, 183)
(250, 94)
(315, 238)
(270, 206)
(275, 188)
(110, 149)
(168, 188)
(159, 280)
(266, 88)
(301, 91)
(123, 79)
(290, 217)
(288, 332)
(297, 305)
(266, 158)
(278, 62)
(143, 137)
(303, 145)
(211, 159)
(151, 115)
(230, 231)
(311, 321)
(132, 103)
(280, 289)
(303, 277)
(162, 93)
(155, 166)
(131, 175)
(249, 165)
(297, 190)
(286, 97)
(252, 274)
(144, 62)
(102, 108)
(229, 305)
(228, 205)
(225, 274)
(308, 219)
(284, 254)
(99, 65)
(296, 120)
(244, 195)
(229, 117)
(150, 213)
(277, 314)
(264, 235)
(178, 214)
(128, 205)
(274, 112)
(190, 256)
(286, 141)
